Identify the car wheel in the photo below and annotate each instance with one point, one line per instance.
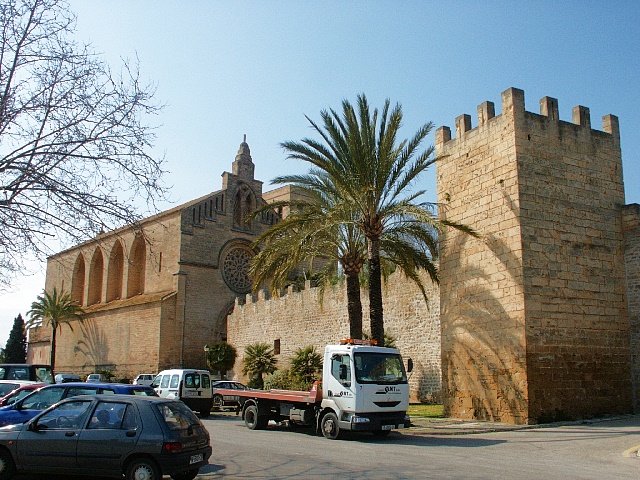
(7, 467)
(252, 420)
(190, 475)
(217, 402)
(143, 469)
(330, 427)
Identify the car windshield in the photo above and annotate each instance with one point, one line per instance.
(7, 388)
(177, 415)
(42, 399)
(144, 392)
(379, 368)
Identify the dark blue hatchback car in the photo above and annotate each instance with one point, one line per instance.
(31, 405)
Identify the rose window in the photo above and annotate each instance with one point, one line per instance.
(235, 270)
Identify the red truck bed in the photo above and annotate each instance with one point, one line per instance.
(312, 396)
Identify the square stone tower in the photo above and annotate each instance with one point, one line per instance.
(534, 315)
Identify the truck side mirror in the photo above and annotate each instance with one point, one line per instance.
(343, 372)
(409, 365)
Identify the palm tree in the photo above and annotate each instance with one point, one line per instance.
(55, 309)
(372, 172)
(259, 359)
(221, 357)
(320, 228)
(306, 363)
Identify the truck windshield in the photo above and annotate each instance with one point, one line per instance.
(381, 368)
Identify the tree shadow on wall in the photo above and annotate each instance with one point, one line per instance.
(93, 344)
(488, 342)
(429, 383)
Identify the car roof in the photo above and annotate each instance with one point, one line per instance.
(121, 386)
(127, 398)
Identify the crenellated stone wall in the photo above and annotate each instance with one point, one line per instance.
(534, 319)
(299, 319)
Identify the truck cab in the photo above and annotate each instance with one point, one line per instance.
(364, 388)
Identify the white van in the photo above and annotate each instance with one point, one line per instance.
(191, 386)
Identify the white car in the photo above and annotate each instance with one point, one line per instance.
(95, 377)
(144, 379)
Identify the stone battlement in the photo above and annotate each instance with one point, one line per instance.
(513, 102)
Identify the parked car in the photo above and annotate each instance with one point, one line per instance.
(95, 377)
(26, 371)
(20, 392)
(8, 386)
(31, 405)
(190, 385)
(144, 379)
(221, 401)
(67, 377)
(147, 437)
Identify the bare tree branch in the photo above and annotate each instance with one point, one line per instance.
(74, 142)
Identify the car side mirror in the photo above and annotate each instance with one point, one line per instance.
(33, 427)
(409, 365)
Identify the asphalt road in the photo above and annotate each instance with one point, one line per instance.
(570, 452)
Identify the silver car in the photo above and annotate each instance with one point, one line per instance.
(108, 435)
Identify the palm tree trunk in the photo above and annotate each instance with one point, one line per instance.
(375, 291)
(52, 354)
(354, 305)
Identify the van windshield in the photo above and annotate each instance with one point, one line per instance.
(44, 374)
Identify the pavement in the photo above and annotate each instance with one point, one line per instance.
(454, 426)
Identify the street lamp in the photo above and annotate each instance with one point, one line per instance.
(206, 356)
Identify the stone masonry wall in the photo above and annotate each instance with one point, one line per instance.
(631, 227)
(481, 280)
(534, 318)
(299, 319)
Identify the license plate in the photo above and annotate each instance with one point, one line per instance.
(387, 427)
(195, 459)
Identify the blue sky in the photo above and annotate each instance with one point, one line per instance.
(229, 68)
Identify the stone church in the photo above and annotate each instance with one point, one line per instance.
(156, 294)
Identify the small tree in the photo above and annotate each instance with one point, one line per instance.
(16, 348)
(305, 365)
(53, 309)
(259, 359)
(221, 357)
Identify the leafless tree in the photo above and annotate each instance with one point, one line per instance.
(74, 143)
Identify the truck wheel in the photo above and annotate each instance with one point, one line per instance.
(217, 402)
(330, 427)
(252, 420)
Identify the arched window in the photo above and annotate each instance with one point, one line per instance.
(115, 272)
(96, 271)
(77, 280)
(137, 266)
(243, 205)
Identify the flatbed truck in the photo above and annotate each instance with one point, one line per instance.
(364, 388)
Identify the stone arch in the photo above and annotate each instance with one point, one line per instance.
(115, 272)
(137, 267)
(223, 319)
(96, 272)
(243, 204)
(78, 280)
